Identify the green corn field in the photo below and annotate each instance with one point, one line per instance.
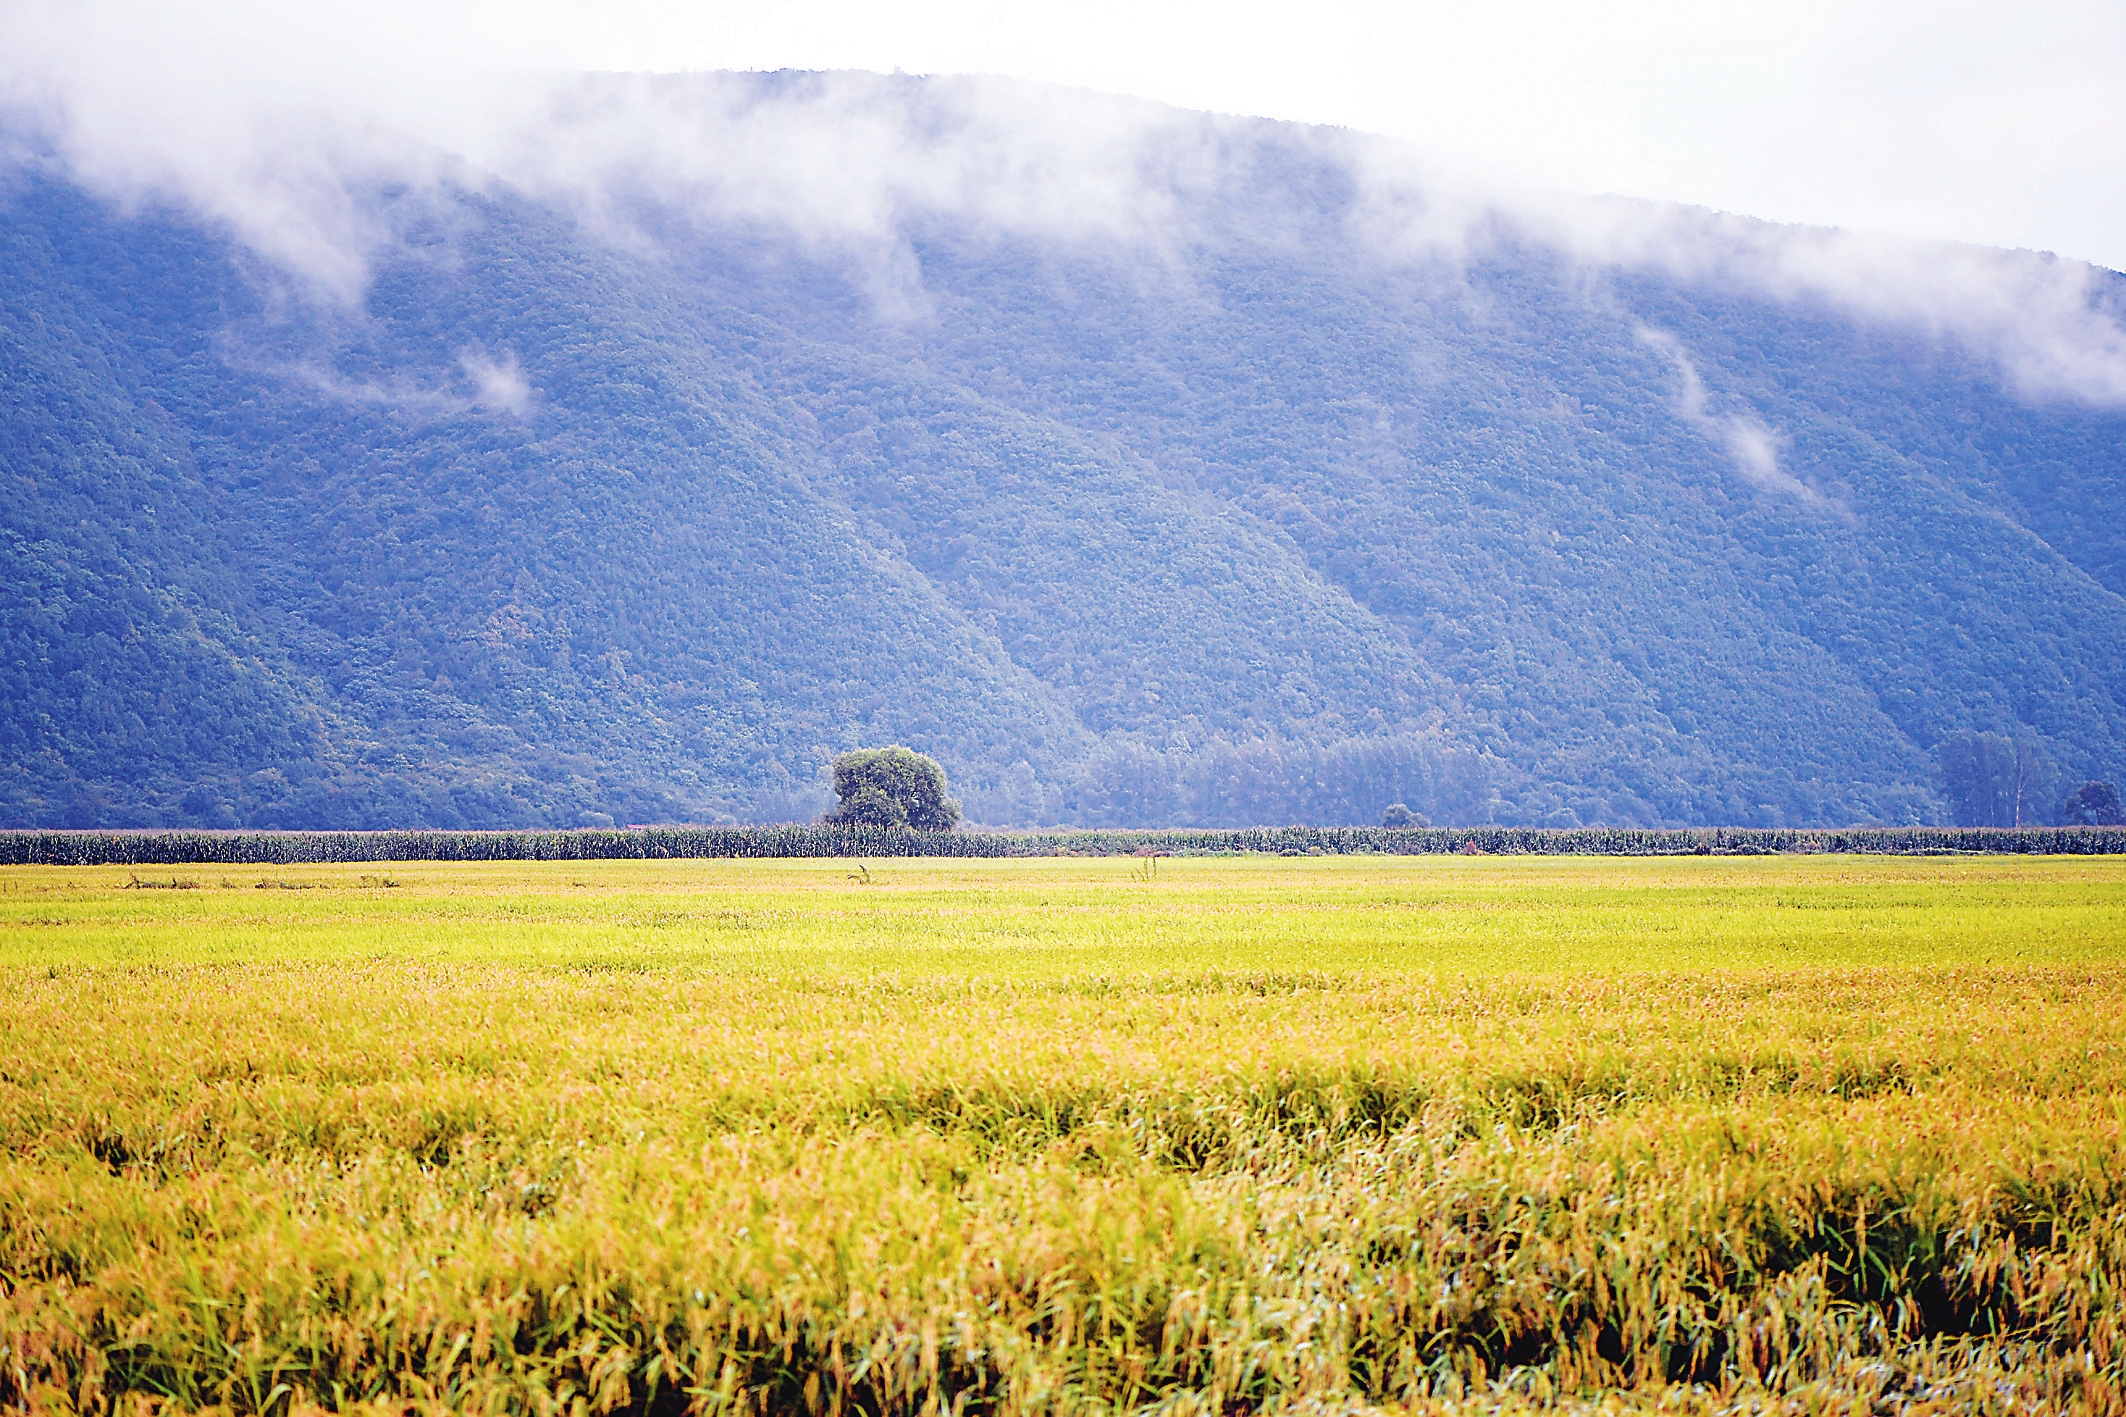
(163, 848)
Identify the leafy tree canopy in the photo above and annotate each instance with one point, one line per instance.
(892, 787)
(1992, 780)
(2093, 804)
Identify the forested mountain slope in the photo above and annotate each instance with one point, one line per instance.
(1260, 523)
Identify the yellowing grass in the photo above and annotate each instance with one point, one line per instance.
(1043, 1135)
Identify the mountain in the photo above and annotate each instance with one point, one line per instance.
(578, 512)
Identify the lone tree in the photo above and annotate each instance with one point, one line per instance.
(892, 787)
(1399, 815)
(2094, 804)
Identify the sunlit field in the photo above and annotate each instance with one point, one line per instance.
(1213, 1134)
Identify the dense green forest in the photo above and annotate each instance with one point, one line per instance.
(558, 530)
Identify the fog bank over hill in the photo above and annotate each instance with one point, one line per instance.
(288, 151)
(563, 449)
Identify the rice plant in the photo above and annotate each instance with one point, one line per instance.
(1444, 1134)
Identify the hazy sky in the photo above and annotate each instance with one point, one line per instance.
(1988, 122)
(281, 122)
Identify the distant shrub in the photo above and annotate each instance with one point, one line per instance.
(892, 787)
(2093, 804)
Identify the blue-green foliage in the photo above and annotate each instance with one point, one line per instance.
(2093, 804)
(892, 787)
(1991, 780)
(556, 533)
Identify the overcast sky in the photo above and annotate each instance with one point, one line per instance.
(1989, 122)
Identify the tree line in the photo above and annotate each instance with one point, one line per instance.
(1994, 780)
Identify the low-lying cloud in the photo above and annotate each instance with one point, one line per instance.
(290, 152)
(498, 382)
(481, 383)
(2051, 326)
(321, 162)
(1751, 446)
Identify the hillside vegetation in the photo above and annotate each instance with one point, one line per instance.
(1262, 523)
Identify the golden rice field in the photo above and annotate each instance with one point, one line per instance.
(1061, 1135)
